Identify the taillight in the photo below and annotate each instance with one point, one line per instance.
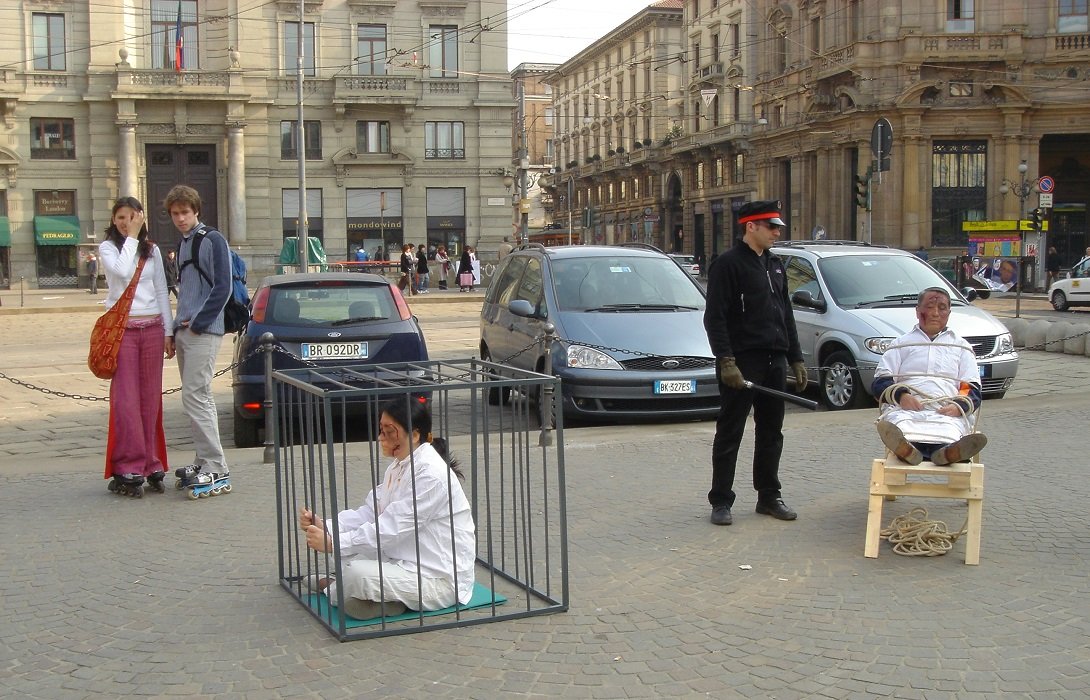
(261, 300)
(402, 306)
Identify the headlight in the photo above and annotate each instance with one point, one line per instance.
(1004, 344)
(878, 345)
(588, 358)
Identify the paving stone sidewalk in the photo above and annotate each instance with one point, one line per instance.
(104, 596)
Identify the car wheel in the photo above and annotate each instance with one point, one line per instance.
(841, 387)
(1059, 301)
(246, 432)
(499, 396)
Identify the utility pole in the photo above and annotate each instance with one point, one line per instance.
(571, 203)
(302, 225)
(524, 165)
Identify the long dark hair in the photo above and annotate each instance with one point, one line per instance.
(408, 411)
(144, 245)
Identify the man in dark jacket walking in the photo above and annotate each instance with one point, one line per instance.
(751, 330)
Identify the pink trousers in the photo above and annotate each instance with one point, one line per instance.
(136, 444)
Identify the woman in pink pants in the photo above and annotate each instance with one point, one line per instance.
(136, 447)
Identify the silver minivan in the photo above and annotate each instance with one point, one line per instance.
(851, 300)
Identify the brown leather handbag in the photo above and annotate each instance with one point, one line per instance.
(110, 329)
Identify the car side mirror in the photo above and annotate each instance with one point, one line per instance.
(521, 307)
(969, 293)
(803, 297)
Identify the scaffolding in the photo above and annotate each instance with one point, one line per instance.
(324, 419)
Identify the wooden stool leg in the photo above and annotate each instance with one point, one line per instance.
(976, 515)
(874, 510)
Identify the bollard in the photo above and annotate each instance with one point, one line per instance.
(546, 407)
(269, 455)
(22, 287)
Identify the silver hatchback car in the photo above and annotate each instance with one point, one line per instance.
(851, 300)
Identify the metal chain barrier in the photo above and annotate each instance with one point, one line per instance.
(82, 397)
(1043, 346)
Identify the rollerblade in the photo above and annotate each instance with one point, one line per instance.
(127, 485)
(202, 484)
(155, 482)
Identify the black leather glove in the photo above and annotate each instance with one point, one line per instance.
(799, 370)
(729, 374)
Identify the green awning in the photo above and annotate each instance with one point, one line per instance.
(5, 232)
(56, 230)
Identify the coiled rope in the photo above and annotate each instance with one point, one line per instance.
(912, 535)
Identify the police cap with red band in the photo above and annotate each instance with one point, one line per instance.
(768, 211)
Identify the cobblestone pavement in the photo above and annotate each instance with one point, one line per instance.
(103, 596)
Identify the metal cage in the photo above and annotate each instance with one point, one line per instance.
(324, 420)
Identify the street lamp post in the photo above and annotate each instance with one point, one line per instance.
(1022, 190)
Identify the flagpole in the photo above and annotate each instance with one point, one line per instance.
(179, 41)
(300, 151)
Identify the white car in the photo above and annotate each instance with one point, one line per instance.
(851, 300)
(687, 262)
(1074, 290)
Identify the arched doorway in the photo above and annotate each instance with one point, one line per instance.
(674, 231)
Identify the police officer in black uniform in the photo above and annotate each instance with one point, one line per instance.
(751, 330)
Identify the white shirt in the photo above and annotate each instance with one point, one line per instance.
(151, 291)
(439, 499)
(935, 368)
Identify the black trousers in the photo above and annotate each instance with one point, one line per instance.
(765, 369)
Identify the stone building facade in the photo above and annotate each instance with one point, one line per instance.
(969, 95)
(780, 100)
(532, 131)
(616, 104)
(406, 124)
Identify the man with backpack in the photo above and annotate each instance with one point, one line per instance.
(205, 286)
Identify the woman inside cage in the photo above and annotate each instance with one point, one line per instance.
(411, 544)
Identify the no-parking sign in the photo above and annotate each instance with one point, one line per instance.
(1046, 184)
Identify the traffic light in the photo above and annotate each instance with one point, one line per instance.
(862, 191)
(1036, 217)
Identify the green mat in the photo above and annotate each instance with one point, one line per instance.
(482, 596)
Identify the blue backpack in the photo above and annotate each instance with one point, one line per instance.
(236, 314)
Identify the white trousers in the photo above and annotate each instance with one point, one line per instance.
(360, 578)
(929, 426)
(196, 364)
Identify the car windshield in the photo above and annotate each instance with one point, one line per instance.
(330, 304)
(684, 259)
(623, 283)
(858, 281)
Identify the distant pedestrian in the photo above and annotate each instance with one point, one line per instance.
(465, 271)
(422, 274)
(170, 267)
(443, 259)
(408, 269)
(92, 273)
(921, 253)
(1052, 266)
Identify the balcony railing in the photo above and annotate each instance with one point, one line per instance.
(709, 71)
(179, 79)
